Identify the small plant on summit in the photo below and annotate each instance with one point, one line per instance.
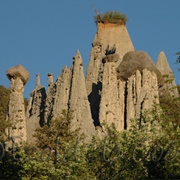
(178, 59)
(111, 17)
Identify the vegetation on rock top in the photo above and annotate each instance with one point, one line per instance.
(111, 17)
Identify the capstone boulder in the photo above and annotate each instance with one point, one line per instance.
(137, 60)
(18, 71)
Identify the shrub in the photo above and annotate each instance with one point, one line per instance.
(111, 17)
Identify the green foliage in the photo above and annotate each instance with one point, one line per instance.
(112, 156)
(64, 152)
(9, 167)
(57, 154)
(4, 101)
(4, 97)
(111, 17)
(178, 87)
(58, 131)
(178, 59)
(148, 150)
(170, 108)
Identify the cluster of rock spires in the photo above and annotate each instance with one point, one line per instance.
(120, 83)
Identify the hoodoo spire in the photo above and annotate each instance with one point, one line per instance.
(163, 66)
(110, 34)
(112, 37)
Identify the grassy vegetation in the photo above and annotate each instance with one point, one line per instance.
(111, 17)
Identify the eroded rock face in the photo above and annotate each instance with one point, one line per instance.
(78, 101)
(137, 60)
(120, 84)
(110, 44)
(35, 109)
(112, 98)
(69, 93)
(18, 72)
(18, 76)
(48, 111)
(123, 100)
(141, 93)
(61, 97)
(108, 36)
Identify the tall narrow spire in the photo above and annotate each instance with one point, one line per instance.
(78, 101)
(110, 38)
(18, 76)
(163, 66)
(114, 35)
(38, 81)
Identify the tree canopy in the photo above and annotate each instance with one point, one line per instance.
(148, 150)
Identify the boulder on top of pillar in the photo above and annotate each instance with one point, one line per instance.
(18, 71)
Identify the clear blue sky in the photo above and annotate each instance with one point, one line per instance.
(44, 35)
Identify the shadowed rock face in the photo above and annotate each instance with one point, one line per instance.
(18, 71)
(137, 60)
(110, 58)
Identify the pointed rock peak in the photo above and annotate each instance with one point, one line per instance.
(78, 55)
(162, 54)
(65, 69)
(161, 58)
(162, 64)
(77, 58)
(63, 73)
(78, 52)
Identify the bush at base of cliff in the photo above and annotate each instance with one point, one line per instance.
(148, 150)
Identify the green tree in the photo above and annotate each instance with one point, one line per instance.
(148, 150)
(59, 153)
(112, 156)
(170, 106)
